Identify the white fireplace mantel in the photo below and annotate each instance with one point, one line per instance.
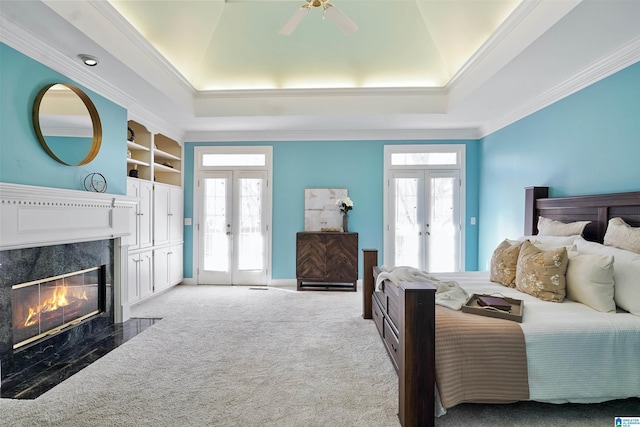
(41, 216)
(33, 216)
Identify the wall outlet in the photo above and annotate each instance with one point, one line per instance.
(473, 220)
(187, 221)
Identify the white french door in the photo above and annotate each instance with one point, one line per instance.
(233, 234)
(425, 221)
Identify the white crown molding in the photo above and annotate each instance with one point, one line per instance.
(155, 124)
(318, 92)
(512, 21)
(122, 25)
(28, 44)
(626, 55)
(333, 135)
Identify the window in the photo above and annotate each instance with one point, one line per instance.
(424, 159)
(233, 159)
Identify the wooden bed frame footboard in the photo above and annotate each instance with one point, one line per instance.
(411, 321)
(406, 321)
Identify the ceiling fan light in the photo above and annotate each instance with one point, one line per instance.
(346, 25)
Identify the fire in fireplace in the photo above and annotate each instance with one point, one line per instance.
(45, 307)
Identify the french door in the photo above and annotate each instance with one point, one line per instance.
(233, 234)
(425, 222)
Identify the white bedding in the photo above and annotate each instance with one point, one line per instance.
(574, 353)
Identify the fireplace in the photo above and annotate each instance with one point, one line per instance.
(53, 300)
(44, 307)
(62, 281)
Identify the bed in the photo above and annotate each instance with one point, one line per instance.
(560, 352)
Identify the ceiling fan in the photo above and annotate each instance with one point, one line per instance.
(336, 15)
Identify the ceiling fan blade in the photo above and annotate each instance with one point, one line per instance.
(293, 22)
(341, 20)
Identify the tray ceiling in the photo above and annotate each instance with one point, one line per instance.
(428, 69)
(235, 44)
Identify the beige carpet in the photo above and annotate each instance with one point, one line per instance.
(233, 356)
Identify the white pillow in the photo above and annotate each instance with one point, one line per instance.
(550, 227)
(621, 235)
(626, 273)
(590, 280)
(551, 241)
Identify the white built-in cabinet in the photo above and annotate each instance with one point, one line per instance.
(168, 266)
(155, 247)
(168, 214)
(140, 276)
(142, 236)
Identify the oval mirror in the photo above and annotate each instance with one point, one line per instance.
(67, 124)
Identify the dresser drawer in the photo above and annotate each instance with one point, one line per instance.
(393, 302)
(377, 313)
(392, 343)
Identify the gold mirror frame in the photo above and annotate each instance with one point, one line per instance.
(95, 120)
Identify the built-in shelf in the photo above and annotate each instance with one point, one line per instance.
(148, 153)
(137, 162)
(162, 168)
(164, 155)
(135, 146)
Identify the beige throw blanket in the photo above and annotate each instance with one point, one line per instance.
(479, 359)
(448, 294)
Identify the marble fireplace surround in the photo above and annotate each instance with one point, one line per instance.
(48, 222)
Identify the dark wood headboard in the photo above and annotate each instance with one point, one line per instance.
(598, 209)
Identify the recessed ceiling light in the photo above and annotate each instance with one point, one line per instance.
(88, 60)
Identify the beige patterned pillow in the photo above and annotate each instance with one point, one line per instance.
(551, 227)
(542, 273)
(504, 262)
(621, 235)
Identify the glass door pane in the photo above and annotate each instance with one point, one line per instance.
(407, 236)
(250, 234)
(250, 256)
(215, 222)
(215, 229)
(443, 225)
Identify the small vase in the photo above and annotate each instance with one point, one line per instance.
(345, 222)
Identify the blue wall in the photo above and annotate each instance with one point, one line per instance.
(587, 143)
(355, 165)
(23, 160)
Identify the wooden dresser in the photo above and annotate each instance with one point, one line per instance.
(327, 261)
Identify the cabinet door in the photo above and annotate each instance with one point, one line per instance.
(176, 215)
(145, 277)
(176, 265)
(342, 257)
(161, 268)
(161, 200)
(310, 256)
(133, 288)
(167, 267)
(133, 239)
(145, 214)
